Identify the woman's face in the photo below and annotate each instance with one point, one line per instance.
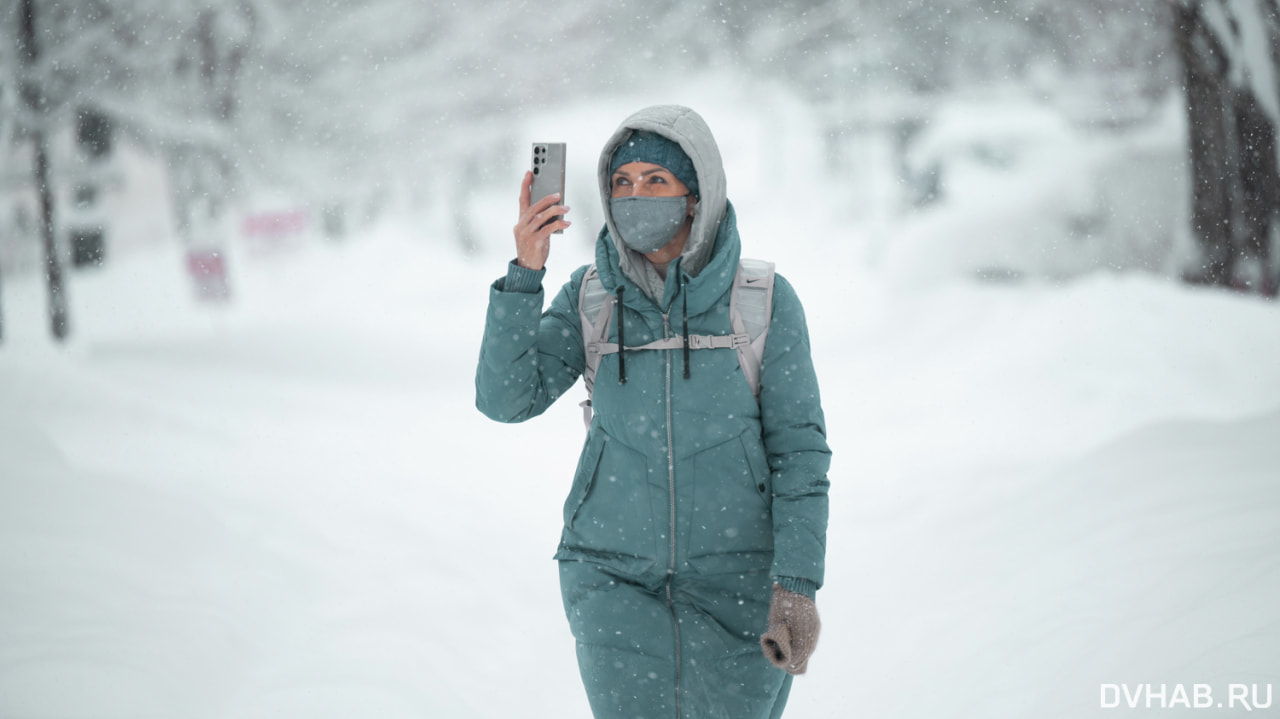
(645, 179)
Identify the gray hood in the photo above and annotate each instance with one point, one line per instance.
(687, 128)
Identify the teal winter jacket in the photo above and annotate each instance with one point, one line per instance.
(677, 475)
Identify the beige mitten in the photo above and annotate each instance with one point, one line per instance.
(793, 630)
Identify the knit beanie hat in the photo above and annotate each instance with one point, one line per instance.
(645, 146)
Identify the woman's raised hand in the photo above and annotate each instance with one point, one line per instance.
(533, 229)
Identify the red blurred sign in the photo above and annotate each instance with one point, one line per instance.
(275, 224)
(208, 268)
(274, 231)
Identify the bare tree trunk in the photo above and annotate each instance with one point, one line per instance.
(1260, 178)
(1232, 142)
(1210, 139)
(52, 265)
(35, 98)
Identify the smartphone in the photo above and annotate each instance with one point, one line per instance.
(548, 173)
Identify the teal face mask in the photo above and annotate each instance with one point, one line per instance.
(647, 224)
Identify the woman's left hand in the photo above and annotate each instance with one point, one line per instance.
(793, 631)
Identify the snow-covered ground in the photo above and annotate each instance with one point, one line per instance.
(290, 508)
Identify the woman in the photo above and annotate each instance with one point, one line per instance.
(695, 531)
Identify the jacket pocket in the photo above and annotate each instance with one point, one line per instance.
(731, 507)
(610, 509)
(583, 477)
(753, 450)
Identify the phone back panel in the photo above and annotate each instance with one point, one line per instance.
(547, 164)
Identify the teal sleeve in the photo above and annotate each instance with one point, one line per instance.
(528, 358)
(800, 586)
(521, 279)
(795, 439)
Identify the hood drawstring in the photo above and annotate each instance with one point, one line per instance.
(684, 296)
(622, 345)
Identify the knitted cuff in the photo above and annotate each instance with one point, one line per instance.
(521, 279)
(806, 587)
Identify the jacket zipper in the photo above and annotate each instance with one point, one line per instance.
(671, 454)
(671, 502)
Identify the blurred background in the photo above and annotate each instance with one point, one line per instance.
(246, 249)
(245, 125)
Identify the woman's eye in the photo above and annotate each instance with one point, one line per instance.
(658, 179)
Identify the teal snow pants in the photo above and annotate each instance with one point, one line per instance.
(687, 649)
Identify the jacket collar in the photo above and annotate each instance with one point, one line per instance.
(704, 289)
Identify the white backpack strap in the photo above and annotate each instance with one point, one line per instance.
(676, 342)
(595, 310)
(750, 311)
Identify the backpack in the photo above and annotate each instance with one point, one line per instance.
(750, 311)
